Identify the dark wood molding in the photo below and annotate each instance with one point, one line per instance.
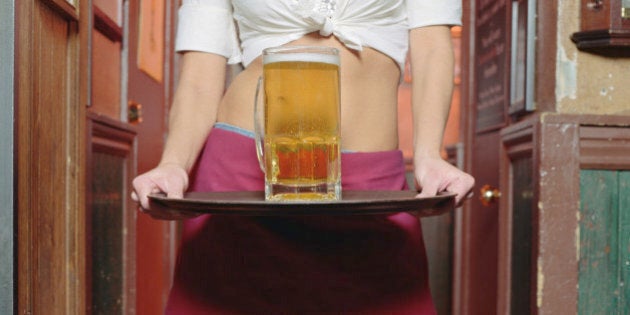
(604, 147)
(64, 8)
(106, 25)
(111, 132)
(610, 43)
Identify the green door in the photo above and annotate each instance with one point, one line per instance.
(604, 247)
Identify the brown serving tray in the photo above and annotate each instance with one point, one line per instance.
(352, 203)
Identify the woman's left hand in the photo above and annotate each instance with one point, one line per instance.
(435, 175)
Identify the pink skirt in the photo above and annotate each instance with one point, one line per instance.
(362, 264)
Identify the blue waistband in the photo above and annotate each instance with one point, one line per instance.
(239, 130)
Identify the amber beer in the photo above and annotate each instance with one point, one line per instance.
(301, 141)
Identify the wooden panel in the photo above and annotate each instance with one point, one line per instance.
(600, 283)
(522, 238)
(106, 76)
(480, 235)
(47, 165)
(596, 15)
(491, 64)
(106, 233)
(50, 161)
(111, 219)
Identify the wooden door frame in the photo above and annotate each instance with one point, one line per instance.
(59, 264)
(460, 281)
(463, 282)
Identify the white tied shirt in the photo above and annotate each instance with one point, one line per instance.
(240, 29)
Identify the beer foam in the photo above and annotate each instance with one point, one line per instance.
(305, 56)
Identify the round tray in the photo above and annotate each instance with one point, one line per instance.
(352, 203)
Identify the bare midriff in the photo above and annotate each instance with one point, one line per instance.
(369, 93)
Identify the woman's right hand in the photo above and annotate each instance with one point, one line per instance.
(170, 179)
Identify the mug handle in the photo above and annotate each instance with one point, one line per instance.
(259, 128)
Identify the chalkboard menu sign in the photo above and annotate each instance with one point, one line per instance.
(491, 63)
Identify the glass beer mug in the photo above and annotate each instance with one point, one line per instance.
(297, 123)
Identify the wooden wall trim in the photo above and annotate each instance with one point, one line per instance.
(603, 147)
(108, 27)
(557, 218)
(107, 129)
(64, 8)
(518, 139)
(517, 142)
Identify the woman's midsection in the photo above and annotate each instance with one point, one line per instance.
(369, 92)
